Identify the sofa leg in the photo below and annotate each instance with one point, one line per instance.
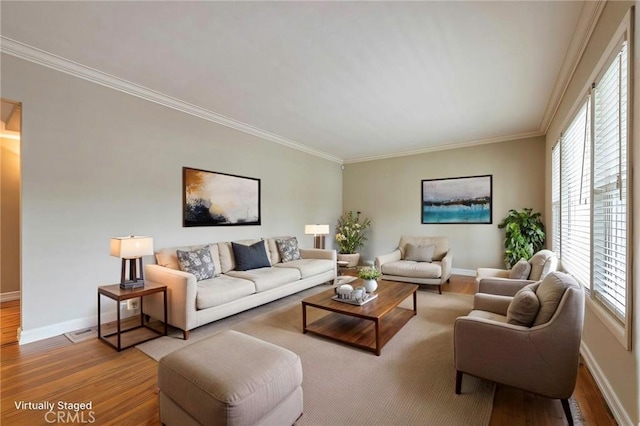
(567, 411)
(439, 289)
(458, 382)
(185, 334)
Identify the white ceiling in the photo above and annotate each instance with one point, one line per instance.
(346, 80)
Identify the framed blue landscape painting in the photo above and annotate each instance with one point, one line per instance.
(457, 200)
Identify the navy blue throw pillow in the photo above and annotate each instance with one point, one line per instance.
(250, 257)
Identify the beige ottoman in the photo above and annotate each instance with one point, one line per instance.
(230, 379)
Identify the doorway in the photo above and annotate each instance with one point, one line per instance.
(10, 231)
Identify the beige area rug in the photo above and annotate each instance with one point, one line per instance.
(411, 383)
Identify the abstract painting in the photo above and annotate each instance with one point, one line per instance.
(219, 199)
(457, 200)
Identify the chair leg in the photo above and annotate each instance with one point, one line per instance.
(567, 411)
(458, 382)
(439, 289)
(185, 334)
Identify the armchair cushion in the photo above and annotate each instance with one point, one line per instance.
(549, 293)
(520, 270)
(542, 263)
(420, 253)
(524, 307)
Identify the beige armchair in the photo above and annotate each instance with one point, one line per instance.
(507, 282)
(530, 341)
(419, 260)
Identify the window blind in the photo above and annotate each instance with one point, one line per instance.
(575, 203)
(555, 199)
(610, 182)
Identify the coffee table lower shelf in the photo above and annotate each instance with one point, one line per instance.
(367, 334)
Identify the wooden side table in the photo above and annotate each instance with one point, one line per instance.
(119, 294)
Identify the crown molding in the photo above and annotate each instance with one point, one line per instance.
(446, 147)
(587, 21)
(58, 63)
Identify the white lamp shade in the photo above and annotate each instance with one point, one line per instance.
(131, 247)
(316, 229)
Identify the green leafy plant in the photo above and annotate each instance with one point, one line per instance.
(524, 235)
(350, 232)
(368, 273)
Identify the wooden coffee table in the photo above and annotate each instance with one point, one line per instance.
(369, 326)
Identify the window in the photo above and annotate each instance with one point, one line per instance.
(590, 191)
(610, 186)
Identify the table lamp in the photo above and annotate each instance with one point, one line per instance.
(131, 248)
(318, 232)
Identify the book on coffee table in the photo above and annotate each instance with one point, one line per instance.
(355, 301)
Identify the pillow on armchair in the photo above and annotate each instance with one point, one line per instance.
(520, 270)
(419, 253)
(524, 306)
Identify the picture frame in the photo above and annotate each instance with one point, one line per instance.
(459, 200)
(219, 199)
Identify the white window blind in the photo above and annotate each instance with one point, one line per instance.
(575, 189)
(610, 180)
(555, 199)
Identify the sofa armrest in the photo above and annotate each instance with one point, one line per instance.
(386, 258)
(491, 303)
(447, 262)
(181, 296)
(318, 254)
(502, 286)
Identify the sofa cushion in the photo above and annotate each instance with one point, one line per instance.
(222, 289)
(408, 268)
(520, 270)
(250, 257)
(549, 292)
(268, 278)
(420, 253)
(288, 249)
(197, 262)
(227, 260)
(524, 307)
(168, 257)
(308, 267)
(272, 246)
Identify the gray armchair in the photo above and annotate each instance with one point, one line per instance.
(530, 341)
(507, 282)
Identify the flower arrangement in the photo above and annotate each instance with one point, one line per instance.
(368, 273)
(350, 232)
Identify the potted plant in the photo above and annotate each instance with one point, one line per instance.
(350, 236)
(524, 235)
(369, 275)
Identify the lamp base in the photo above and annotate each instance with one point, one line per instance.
(130, 285)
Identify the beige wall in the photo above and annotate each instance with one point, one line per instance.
(10, 213)
(388, 192)
(97, 163)
(616, 370)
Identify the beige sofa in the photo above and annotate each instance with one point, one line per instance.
(193, 303)
(432, 270)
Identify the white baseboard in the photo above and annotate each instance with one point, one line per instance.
(33, 335)
(609, 394)
(10, 295)
(465, 272)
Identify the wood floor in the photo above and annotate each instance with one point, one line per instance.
(122, 386)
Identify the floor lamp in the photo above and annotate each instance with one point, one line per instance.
(318, 232)
(131, 248)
